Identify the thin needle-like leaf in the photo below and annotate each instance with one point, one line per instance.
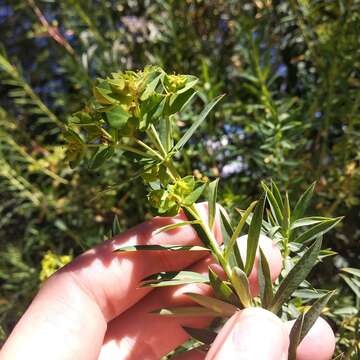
(317, 230)
(303, 203)
(173, 279)
(223, 308)
(238, 229)
(274, 205)
(205, 336)
(241, 284)
(264, 278)
(186, 311)
(296, 276)
(185, 138)
(213, 188)
(254, 234)
(221, 289)
(175, 226)
(305, 322)
(132, 248)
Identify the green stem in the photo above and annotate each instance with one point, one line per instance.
(148, 148)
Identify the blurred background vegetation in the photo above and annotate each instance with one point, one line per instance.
(291, 73)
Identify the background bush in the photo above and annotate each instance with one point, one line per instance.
(291, 73)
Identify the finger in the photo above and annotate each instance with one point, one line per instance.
(138, 334)
(319, 342)
(136, 327)
(251, 334)
(74, 305)
(272, 254)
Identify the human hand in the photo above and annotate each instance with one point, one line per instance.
(93, 308)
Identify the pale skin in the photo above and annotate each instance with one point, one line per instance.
(93, 308)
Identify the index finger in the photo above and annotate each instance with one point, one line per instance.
(68, 317)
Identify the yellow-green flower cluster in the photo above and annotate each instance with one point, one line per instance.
(52, 262)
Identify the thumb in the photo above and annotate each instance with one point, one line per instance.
(251, 334)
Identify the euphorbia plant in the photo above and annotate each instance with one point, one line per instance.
(135, 113)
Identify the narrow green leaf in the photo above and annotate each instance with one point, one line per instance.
(241, 285)
(221, 289)
(305, 322)
(116, 228)
(185, 311)
(150, 88)
(221, 307)
(286, 213)
(213, 188)
(238, 258)
(303, 202)
(226, 227)
(294, 336)
(352, 285)
(254, 233)
(317, 230)
(160, 248)
(274, 205)
(264, 278)
(173, 278)
(308, 221)
(352, 271)
(194, 196)
(296, 276)
(275, 190)
(205, 336)
(101, 155)
(197, 226)
(175, 226)
(238, 229)
(197, 123)
(165, 133)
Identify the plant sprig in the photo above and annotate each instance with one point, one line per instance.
(135, 113)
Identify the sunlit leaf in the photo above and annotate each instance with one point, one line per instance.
(241, 284)
(213, 188)
(221, 289)
(264, 278)
(303, 203)
(296, 276)
(223, 308)
(185, 138)
(254, 234)
(275, 206)
(174, 278)
(186, 311)
(305, 322)
(230, 246)
(175, 226)
(317, 230)
(160, 248)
